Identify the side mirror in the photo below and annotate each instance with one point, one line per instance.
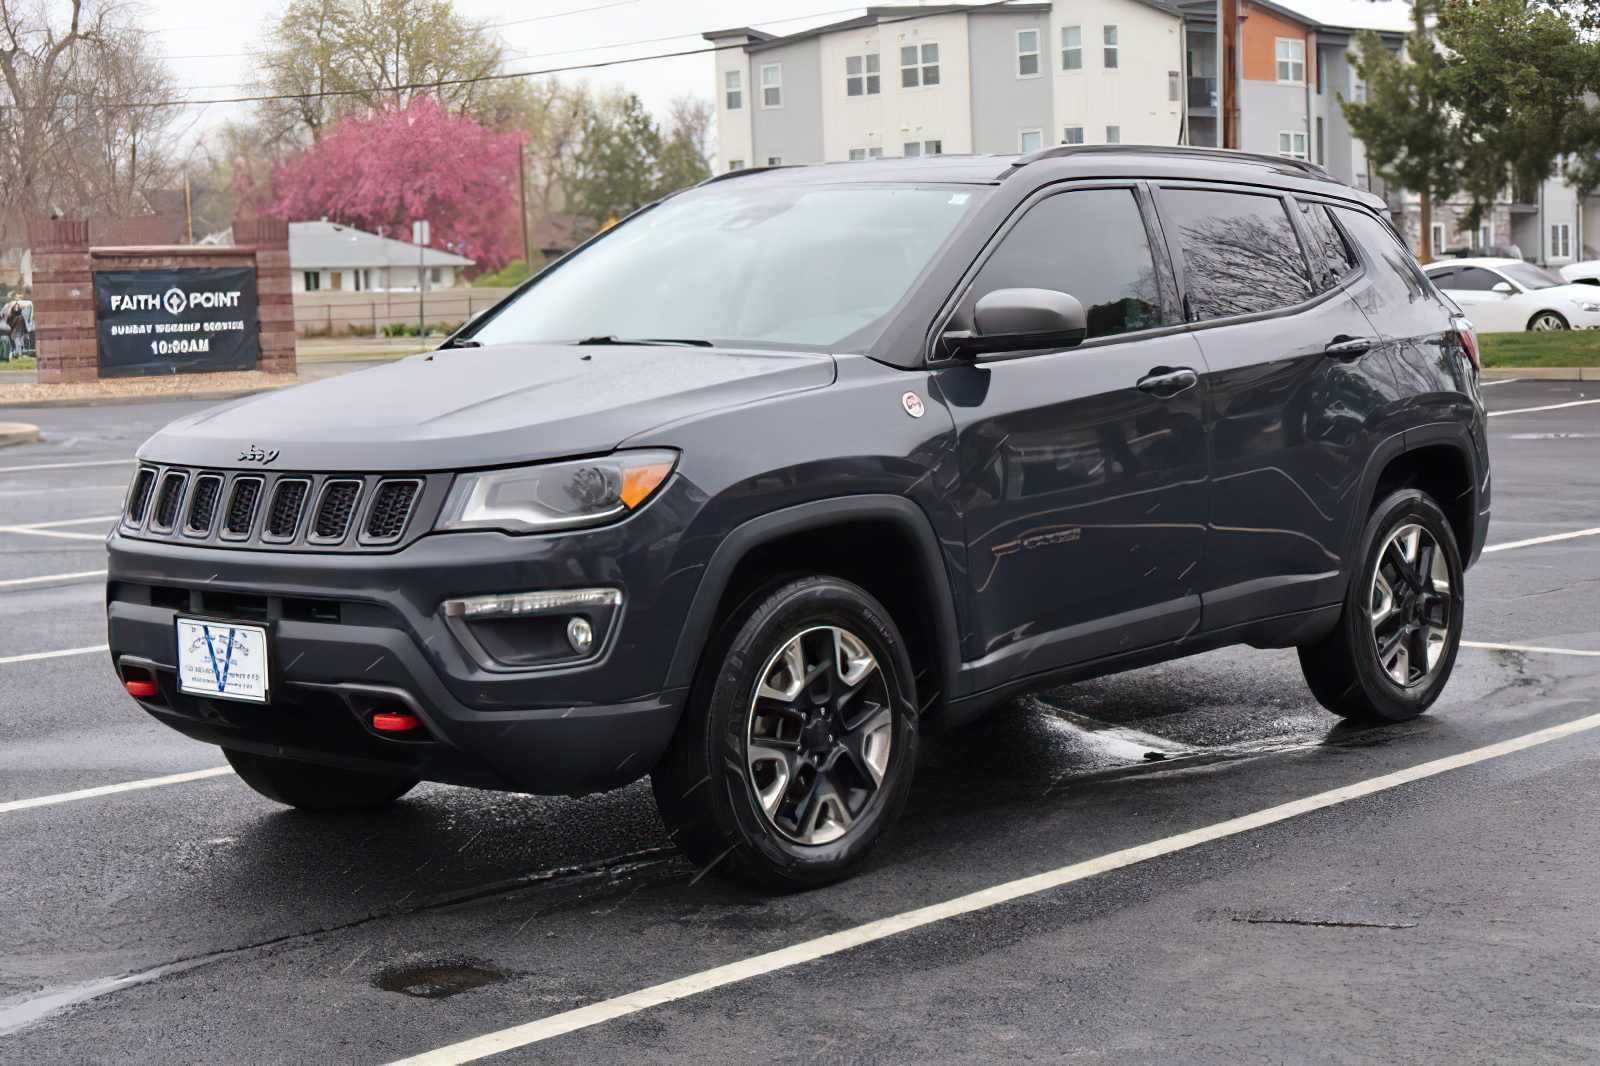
(1020, 320)
(1504, 288)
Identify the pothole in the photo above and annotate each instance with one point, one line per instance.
(439, 980)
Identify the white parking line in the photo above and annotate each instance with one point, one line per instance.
(1546, 407)
(35, 656)
(46, 579)
(64, 466)
(52, 529)
(1484, 645)
(534, 1032)
(111, 790)
(1497, 381)
(1549, 539)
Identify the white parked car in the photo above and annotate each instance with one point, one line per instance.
(1584, 273)
(1508, 295)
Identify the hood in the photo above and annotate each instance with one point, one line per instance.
(468, 407)
(1587, 294)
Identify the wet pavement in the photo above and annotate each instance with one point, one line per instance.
(1449, 918)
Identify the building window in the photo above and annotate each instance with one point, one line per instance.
(1027, 53)
(1111, 47)
(1174, 86)
(1292, 144)
(933, 148)
(1560, 240)
(857, 154)
(874, 153)
(1291, 60)
(1072, 135)
(735, 164)
(1485, 236)
(772, 85)
(733, 82)
(1072, 48)
(774, 160)
(313, 280)
(433, 275)
(861, 75)
(919, 66)
(1436, 237)
(1113, 134)
(1030, 140)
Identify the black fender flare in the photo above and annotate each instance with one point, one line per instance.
(1454, 434)
(804, 517)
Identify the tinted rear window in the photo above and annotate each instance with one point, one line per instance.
(1331, 258)
(1239, 250)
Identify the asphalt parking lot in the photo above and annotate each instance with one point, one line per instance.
(1221, 871)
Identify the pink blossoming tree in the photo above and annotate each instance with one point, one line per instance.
(381, 170)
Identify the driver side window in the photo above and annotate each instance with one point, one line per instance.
(1088, 243)
(1474, 279)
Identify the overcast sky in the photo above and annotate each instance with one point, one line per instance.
(208, 41)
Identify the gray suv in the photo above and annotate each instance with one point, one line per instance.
(750, 491)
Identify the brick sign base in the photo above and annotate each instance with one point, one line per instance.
(63, 289)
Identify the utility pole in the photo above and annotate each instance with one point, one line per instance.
(1228, 69)
(419, 237)
(522, 184)
(188, 209)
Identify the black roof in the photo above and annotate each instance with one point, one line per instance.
(1069, 161)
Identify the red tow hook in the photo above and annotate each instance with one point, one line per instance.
(141, 689)
(395, 722)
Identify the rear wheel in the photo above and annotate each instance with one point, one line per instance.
(797, 749)
(1396, 641)
(1546, 322)
(310, 787)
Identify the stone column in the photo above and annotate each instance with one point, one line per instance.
(268, 238)
(63, 300)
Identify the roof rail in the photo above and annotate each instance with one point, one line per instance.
(1067, 150)
(746, 171)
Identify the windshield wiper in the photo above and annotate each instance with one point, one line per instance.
(461, 342)
(691, 342)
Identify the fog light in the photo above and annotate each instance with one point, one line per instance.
(580, 634)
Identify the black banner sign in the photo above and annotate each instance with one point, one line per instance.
(177, 321)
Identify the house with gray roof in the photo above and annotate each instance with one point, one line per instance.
(329, 256)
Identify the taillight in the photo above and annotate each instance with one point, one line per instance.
(1469, 343)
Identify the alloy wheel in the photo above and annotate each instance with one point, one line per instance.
(818, 735)
(1410, 605)
(1547, 323)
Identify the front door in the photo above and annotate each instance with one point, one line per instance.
(1083, 471)
(1473, 290)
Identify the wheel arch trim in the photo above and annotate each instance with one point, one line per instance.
(1454, 435)
(807, 517)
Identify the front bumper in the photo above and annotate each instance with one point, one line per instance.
(353, 634)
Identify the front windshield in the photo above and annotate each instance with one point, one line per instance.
(1530, 277)
(744, 263)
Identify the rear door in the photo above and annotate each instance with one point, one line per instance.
(1294, 394)
(1083, 471)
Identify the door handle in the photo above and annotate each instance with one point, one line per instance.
(1347, 347)
(1165, 381)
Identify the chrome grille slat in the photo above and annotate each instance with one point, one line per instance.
(169, 498)
(203, 505)
(390, 510)
(335, 510)
(283, 513)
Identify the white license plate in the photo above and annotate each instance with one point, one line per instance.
(222, 660)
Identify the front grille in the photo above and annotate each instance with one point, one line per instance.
(203, 504)
(391, 506)
(289, 511)
(144, 483)
(168, 499)
(283, 517)
(242, 507)
(338, 506)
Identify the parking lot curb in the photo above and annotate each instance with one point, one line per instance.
(18, 433)
(1543, 373)
(148, 397)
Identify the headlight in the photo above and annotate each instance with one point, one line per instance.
(1592, 308)
(534, 499)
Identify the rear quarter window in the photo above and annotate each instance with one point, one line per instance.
(1239, 252)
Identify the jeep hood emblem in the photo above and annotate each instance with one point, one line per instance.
(255, 454)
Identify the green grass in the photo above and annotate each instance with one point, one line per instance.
(1564, 348)
(21, 362)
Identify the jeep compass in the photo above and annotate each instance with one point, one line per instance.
(748, 492)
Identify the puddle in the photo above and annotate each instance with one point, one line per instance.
(439, 980)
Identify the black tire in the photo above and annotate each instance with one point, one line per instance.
(706, 785)
(321, 789)
(1344, 668)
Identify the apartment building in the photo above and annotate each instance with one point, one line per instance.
(903, 80)
(913, 80)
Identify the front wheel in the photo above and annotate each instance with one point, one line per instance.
(797, 749)
(312, 787)
(1547, 322)
(1396, 641)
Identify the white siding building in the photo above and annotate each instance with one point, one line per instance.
(326, 256)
